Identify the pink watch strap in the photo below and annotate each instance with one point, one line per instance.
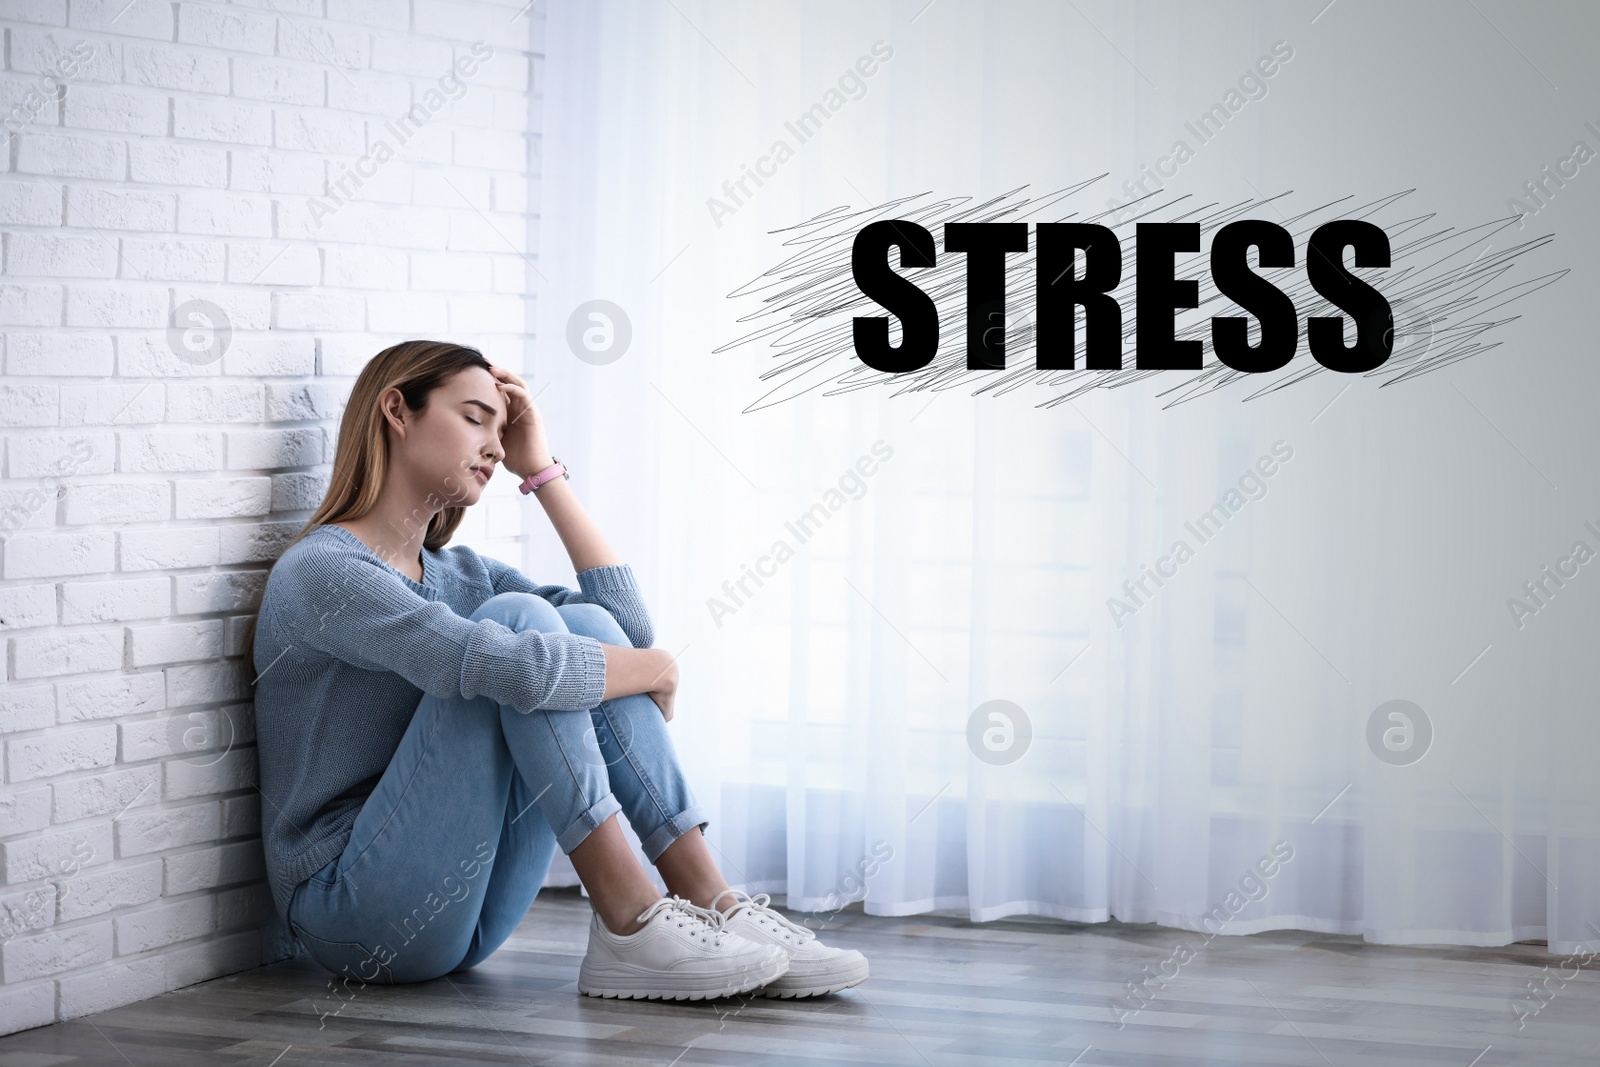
(535, 480)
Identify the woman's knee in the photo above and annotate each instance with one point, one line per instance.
(592, 620)
(521, 611)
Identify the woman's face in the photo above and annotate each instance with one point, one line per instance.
(453, 445)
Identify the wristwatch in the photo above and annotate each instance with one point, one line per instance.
(535, 480)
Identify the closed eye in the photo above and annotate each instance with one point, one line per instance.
(472, 420)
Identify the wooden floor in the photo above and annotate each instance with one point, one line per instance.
(943, 991)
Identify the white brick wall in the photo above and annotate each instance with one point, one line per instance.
(157, 153)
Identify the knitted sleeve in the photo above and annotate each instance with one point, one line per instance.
(612, 587)
(350, 607)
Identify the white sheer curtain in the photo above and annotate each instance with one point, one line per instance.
(1218, 733)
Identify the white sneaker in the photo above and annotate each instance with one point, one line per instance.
(678, 955)
(814, 968)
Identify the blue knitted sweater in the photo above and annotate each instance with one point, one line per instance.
(346, 646)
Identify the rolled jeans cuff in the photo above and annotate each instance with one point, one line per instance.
(585, 824)
(671, 830)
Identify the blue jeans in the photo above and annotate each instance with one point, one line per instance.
(454, 841)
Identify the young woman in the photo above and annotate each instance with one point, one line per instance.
(432, 725)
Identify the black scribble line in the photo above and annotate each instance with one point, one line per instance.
(1441, 296)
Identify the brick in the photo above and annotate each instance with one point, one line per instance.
(165, 924)
(21, 607)
(171, 451)
(298, 492)
(99, 890)
(59, 854)
(343, 46)
(208, 868)
(58, 455)
(71, 156)
(118, 110)
(319, 311)
(230, 214)
(30, 203)
(112, 985)
(169, 547)
(120, 307)
(223, 498)
(198, 776)
(52, 951)
(28, 304)
(241, 816)
(228, 28)
(67, 748)
(271, 171)
(56, 654)
(221, 120)
(256, 542)
(58, 355)
(117, 17)
(141, 832)
(24, 810)
(274, 264)
(105, 503)
(194, 594)
(301, 402)
(196, 736)
(105, 794)
(264, 449)
(245, 907)
(205, 683)
(162, 162)
(280, 82)
(27, 708)
(23, 1007)
(113, 696)
(44, 51)
(104, 404)
(170, 259)
(121, 209)
(176, 643)
(47, 255)
(215, 402)
(388, 14)
(165, 67)
(48, 554)
(213, 958)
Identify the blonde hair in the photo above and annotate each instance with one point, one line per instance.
(361, 459)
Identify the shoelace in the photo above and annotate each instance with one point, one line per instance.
(691, 913)
(762, 913)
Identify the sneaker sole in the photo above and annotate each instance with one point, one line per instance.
(829, 985)
(644, 986)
